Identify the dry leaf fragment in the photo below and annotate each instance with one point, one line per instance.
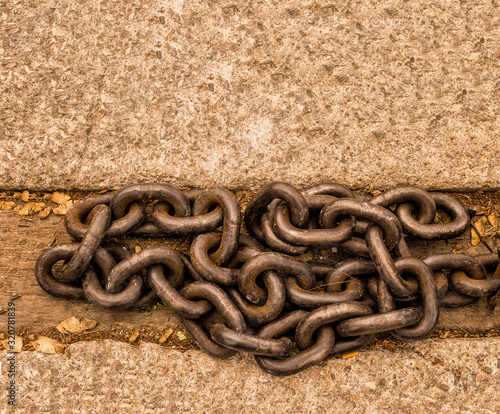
(45, 213)
(306, 256)
(493, 218)
(60, 198)
(474, 237)
(75, 325)
(31, 208)
(133, 336)
(47, 345)
(25, 196)
(165, 336)
(13, 347)
(7, 205)
(137, 248)
(480, 227)
(181, 336)
(62, 209)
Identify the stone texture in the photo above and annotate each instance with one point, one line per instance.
(445, 376)
(98, 94)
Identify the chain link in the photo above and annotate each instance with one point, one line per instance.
(247, 293)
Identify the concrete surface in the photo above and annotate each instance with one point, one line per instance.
(445, 376)
(98, 94)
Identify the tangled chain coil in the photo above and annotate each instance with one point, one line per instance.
(236, 292)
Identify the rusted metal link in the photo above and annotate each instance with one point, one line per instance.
(386, 266)
(346, 345)
(247, 279)
(324, 316)
(203, 339)
(47, 280)
(97, 295)
(201, 220)
(331, 189)
(313, 237)
(366, 211)
(411, 196)
(276, 298)
(200, 257)
(172, 298)
(478, 287)
(142, 260)
(270, 238)
(99, 223)
(427, 231)
(457, 262)
(231, 222)
(336, 277)
(304, 359)
(428, 292)
(75, 219)
(140, 192)
(221, 301)
(383, 322)
(299, 212)
(277, 348)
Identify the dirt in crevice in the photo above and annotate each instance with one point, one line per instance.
(177, 338)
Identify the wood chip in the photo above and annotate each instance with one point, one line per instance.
(75, 325)
(18, 344)
(45, 212)
(165, 336)
(7, 205)
(47, 345)
(62, 209)
(493, 218)
(480, 225)
(60, 198)
(25, 196)
(133, 336)
(31, 208)
(350, 355)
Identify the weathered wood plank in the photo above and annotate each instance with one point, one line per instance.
(23, 239)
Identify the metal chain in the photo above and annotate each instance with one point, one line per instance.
(239, 292)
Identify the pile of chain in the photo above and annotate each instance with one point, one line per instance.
(235, 292)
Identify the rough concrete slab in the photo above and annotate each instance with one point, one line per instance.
(98, 94)
(446, 376)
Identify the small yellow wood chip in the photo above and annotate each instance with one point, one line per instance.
(165, 336)
(133, 336)
(60, 198)
(493, 218)
(25, 196)
(350, 355)
(7, 205)
(45, 212)
(13, 346)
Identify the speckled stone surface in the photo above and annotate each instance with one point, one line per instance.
(98, 94)
(443, 376)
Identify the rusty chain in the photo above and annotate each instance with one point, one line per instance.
(238, 292)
